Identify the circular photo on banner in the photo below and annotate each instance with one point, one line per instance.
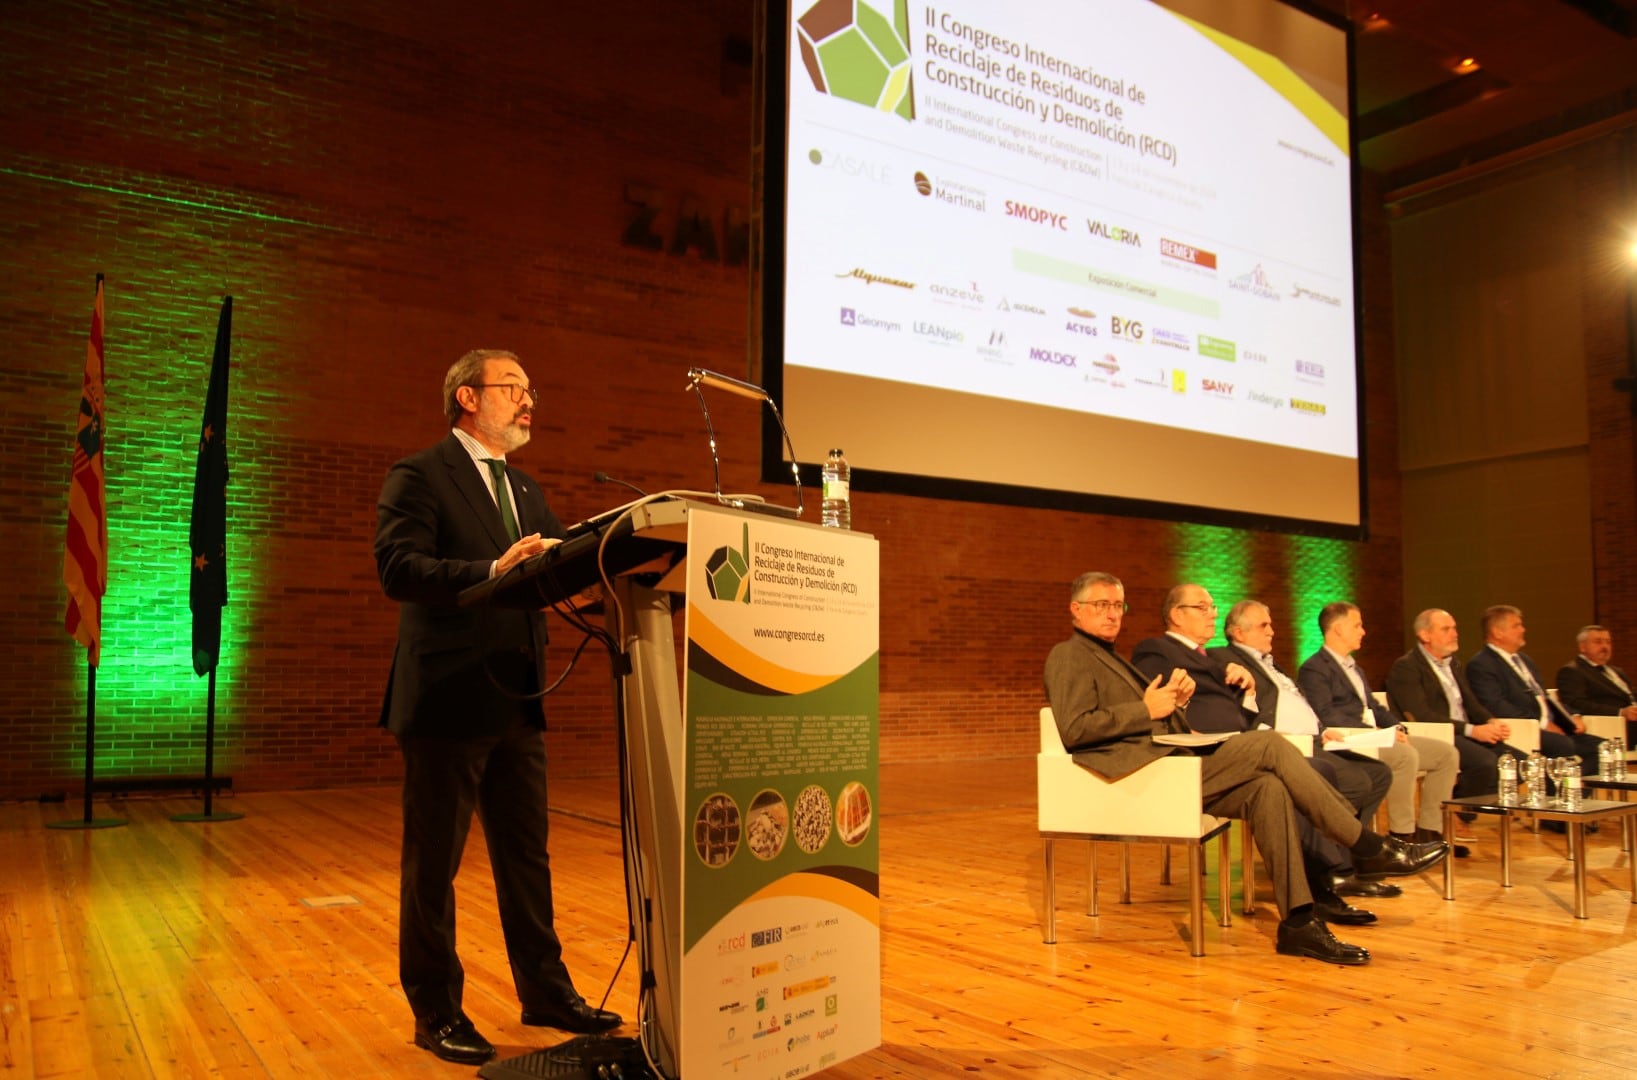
(853, 814)
(812, 818)
(716, 829)
(767, 824)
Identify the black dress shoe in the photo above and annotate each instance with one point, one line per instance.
(1316, 940)
(572, 1013)
(1333, 909)
(1352, 885)
(1459, 851)
(1398, 859)
(453, 1039)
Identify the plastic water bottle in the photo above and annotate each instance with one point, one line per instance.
(1569, 788)
(1618, 754)
(836, 509)
(1506, 787)
(1605, 759)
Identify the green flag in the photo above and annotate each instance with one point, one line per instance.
(207, 595)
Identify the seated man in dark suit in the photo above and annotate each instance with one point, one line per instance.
(1225, 699)
(1427, 684)
(1338, 690)
(1282, 706)
(1589, 685)
(1108, 713)
(1505, 679)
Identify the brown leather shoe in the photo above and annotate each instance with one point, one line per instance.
(453, 1039)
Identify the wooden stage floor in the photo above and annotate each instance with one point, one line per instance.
(173, 950)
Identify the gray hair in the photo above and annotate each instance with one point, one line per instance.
(467, 371)
(1090, 578)
(1423, 621)
(1495, 614)
(1237, 613)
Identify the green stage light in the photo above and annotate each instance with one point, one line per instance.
(1320, 571)
(1217, 558)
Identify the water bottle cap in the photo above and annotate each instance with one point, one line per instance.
(835, 453)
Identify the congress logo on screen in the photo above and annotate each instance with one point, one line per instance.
(857, 51)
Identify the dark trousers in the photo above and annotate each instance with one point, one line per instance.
(1557, 744)
(1478, 775)
(1260, 777)
(503, 778)
(1363, 782)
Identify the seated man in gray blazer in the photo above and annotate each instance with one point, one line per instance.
(1108, 714)
(1339, 692)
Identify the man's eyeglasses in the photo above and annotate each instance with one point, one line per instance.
(517, 390)
(1103, 607)
(1209, 609)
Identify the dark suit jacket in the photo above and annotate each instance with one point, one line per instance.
(1586, 691)
(1505, 693)
(1096, 698)
(437, 531)
(1328, 689)
(1415, 693)
(1267, 691)
(1215, 705)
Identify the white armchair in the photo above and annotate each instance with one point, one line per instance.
(1159, 803)
(1606, 727)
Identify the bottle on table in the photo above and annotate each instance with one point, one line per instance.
(836, 508)
(1506, 786)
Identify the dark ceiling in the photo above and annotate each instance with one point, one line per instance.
(1542, 70)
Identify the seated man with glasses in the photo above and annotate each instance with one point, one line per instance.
(1108, 713)
(1226, 699)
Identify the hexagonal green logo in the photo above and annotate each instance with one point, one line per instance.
(727, 572)
(852, 50)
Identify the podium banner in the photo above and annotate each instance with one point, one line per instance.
(781, 949)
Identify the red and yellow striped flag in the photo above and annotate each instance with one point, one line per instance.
(85, 562)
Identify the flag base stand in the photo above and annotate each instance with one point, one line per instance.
(589, 1056)
(87, 823)
(220, 815)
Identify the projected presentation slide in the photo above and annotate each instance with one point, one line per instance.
(1074, 227)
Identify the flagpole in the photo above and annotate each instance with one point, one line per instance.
(89, 822)
(89, 622)
(90, 734)
(210, 742)
(207, 538)
(210, 764)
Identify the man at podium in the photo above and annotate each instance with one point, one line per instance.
(462, 702)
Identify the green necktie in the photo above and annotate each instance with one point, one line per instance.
(503, 495)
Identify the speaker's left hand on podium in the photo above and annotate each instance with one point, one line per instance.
(526, 548)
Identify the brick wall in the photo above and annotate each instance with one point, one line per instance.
(381, 188)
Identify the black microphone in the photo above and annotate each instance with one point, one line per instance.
(603, 478)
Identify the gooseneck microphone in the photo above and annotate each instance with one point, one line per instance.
(603, 478)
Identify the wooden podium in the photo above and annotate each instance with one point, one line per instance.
(749, 801)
